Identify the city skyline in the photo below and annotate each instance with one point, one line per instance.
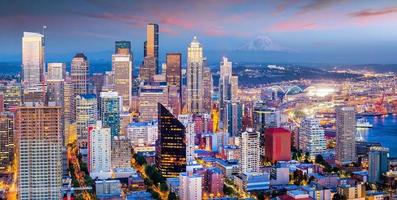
(256, 31)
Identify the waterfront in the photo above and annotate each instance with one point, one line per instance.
(384, 131)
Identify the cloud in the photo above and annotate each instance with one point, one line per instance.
(317, 5)
(293, 26)
(374, 12)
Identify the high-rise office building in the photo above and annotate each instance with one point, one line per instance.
(79, 77)
(170, 145)
(123, 48)
(207, 89)
(311, 137)
(194, 76)
(149, 96)
(121, 152)
(377, 163)
(233, 119)
(225, 72)
(277, 144)
(56, 82)
(265, 116)
(345, 135)
(174, 81)
(39, 150)
(99, 150)
(32, 58)
(190, 186)
(152, 45)
(147, 70)
(6, 140)
(250, 152)
(56, 71)
(86, 115)
(12, 96)
(110, 111)
(122, 68)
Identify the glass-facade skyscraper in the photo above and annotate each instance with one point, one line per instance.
(32, 58)
(170, 146)
(110, 111)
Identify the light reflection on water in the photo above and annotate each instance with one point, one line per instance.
(384, 131)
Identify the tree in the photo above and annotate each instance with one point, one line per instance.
(172, 196)
(163, 187)
(140, 159)
(155, 195)
(228, 191)
(338, 197)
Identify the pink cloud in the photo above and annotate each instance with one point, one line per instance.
(177, 21)
(293, 26)
(214, 31)
(374, 12)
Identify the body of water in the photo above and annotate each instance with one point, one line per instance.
(384, 131)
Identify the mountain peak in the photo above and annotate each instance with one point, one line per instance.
(262, 43)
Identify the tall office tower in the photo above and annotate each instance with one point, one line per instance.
(250, 151)
(147, 70)
(32, 59)
(123, 48)
(207, 89)
(12, 96)
(108, 82)
(98, 80)
(149, 96)
(39, 150)
(311, 137)
(6, 140)
(121, 152)
(187, 121)
(122, 69)
(55, 83)
(99, 150)
(110, 111)
(152, 45)
(86, 115)
(67, 101)
(190, 186)
(265, 116)
(56, 71)
(345, 135)
(170, 145)
(378, 164)
(234, 88)
(194, 76)
(277, 144)
(225, 72)
(233, 120)
(174, 81)
(79, 76)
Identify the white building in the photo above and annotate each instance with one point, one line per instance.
(190, 186)
(122, 69)
(311, 137)
(194, 76)
(143, 134)
(32, 58)
(250, 151)
(187, 121)
(99, 151)
(56, 71)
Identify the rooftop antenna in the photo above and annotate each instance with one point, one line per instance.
(44, 27)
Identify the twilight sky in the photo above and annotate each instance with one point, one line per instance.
(303, 31)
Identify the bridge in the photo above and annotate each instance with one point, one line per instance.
(287, 90)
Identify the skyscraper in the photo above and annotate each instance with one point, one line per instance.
(99, 150)
(149, 96)
(174, 81)
(277, 144)
(152, 45)
(79, 77)
(6, 139)
(121, 152)
(110, 111)
(32, 58)
(233, 119)
(86, 115)
(55, 83)
(207, 89)
(170, 145)
(311, 137)
(123, 69)
(377, 163)
(250, 151)
(39, 149)
(56, 71)
(194, 76)
(147, 71)
(123, 47)
(345, 135)
(225, 72)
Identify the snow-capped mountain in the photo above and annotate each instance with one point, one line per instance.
(263, 43)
